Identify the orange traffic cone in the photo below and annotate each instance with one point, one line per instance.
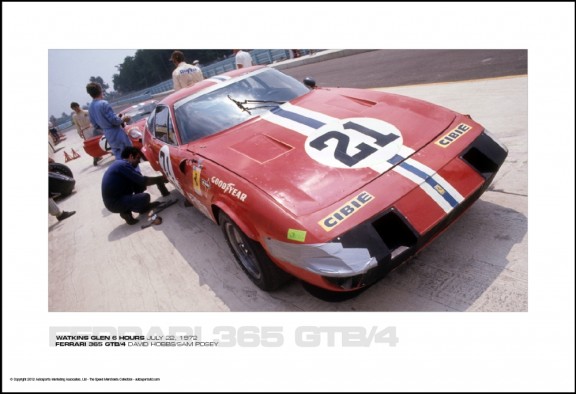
(66, 157)
(75, 154)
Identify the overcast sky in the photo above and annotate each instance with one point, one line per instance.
(69, 70)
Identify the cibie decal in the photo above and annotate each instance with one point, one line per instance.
(166, 165)
(345, 211)
(453, 135)
(104, 145)
(229, 188)
(354, 142)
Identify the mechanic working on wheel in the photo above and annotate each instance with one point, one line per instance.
(123, 186)
(102, 116)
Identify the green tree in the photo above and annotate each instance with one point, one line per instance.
(99, 80)
(149, 67)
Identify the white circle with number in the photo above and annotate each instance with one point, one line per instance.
(166, 164)
(354, 143)
(104, 145)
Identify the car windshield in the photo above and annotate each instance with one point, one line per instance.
(208, 113)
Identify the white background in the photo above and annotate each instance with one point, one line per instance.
(531, 351)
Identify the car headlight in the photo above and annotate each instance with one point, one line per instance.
(327, 259)
(134, 133)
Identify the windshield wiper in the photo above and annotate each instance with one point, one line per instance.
(240, 104)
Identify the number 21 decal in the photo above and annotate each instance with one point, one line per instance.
(354, 143)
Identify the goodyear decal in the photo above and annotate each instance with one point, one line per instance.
(296, 235)
(453, 135)
(345, 211)
(229, 188)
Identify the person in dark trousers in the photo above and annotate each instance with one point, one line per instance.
(54, 210)
(123, 186)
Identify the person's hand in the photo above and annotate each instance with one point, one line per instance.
(126, 119)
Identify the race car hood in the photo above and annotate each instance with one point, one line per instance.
(324, 146)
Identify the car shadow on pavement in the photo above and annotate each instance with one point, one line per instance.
(465, 269)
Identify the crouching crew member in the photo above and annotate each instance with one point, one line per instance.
(123, 186)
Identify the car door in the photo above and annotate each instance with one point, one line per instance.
(166, 150)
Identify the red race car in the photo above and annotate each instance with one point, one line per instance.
(97, 146)
(333, 186)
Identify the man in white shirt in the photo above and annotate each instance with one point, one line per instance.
(80, 119)
(185, 74)
(243, 59)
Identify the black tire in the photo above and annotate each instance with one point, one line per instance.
(252, 257)
(60, 185)
(60, 169)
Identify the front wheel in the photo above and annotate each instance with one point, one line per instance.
(252, 257)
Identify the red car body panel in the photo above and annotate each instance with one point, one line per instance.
(329, 164)
(97, 146)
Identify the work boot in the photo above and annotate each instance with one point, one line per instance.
(163, 189)
(64, 215)
(129, 218)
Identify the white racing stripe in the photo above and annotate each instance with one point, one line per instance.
(305, 122)
(426, 178)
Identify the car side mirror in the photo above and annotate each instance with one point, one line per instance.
(310, 83)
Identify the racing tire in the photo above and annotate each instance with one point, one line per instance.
(60, 185)
(252, 257)
(60, 169)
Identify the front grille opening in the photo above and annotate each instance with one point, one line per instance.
(395, 233)
(352, 282)
(480, 162)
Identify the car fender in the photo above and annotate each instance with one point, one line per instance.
(247, 227)
(150, 158)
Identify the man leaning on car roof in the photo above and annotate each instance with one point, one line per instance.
(185, 74)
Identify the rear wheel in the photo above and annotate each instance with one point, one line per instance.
(252, 257)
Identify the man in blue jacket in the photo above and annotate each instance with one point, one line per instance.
(103, 116)
(123, 186)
